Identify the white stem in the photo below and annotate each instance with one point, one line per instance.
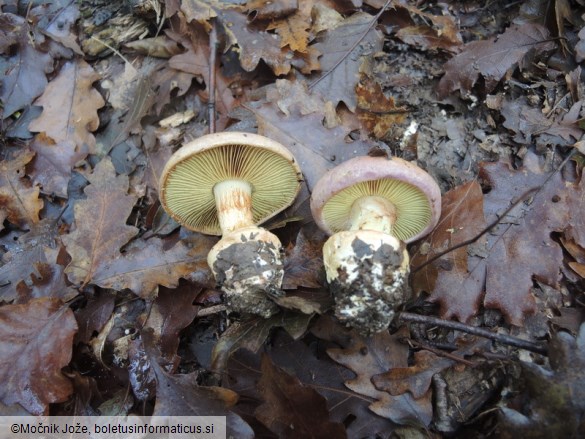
(372, 213)
(233, 200)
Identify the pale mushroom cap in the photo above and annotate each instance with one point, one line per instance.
(414, 193)
(187, 181)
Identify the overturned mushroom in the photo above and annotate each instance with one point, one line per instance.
(225, 184)
(372, 206)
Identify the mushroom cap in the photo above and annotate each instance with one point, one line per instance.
(187, 181)
(414, 193)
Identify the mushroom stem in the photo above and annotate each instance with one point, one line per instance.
(372, 213)
(233, 200)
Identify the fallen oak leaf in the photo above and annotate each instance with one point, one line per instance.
(292, 409)
(250, 334)
(530, 125)
(19, 200)
(100, 222)
(24, 77)
(368, 357)
(417, 378)
(294, 28)
(195, 61)
(21, 261)
(306, 362)
(377, 113)
(267, 10)
(340, 69)
(520, 248)
(301, 130)
(254, 44)
(53, 163)
(70, 105)
(304, 260)
(180, 395)
(493, 58)
(145, 265)
(443, 34)
(35, 343)
(456, 280)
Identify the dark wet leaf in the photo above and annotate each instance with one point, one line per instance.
(292, 409)
(35, 343)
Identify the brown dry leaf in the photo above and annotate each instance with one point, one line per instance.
(196, 62)
(159, 47)
(371, 356)
(167, 79)
(19, 200)
(308, 62)
(456, 280)
(251, 334)
(255, 44)
(377, 113)
(94, 315)
(61, 26)
(292, 409)
(100, 222)
(315, 147)
(444, 33)
(25, 255)
(339, 84)
(171, 312)
(35, 343)
(53, 163)
(180, 395)
(307, 362)
(494, 58)
(23, 77)
(415, 379)
(294, 28)
(269, 10)
(521, 247)
(147, 264)
(70, 105)
(304, 261)
(199, 11)
(48, 280)
(531, 126)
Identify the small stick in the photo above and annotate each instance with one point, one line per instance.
(212, 86)
(441, 353)
(500, 338)
(211, 310)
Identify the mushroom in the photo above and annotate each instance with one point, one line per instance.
(225, 184)
(372, 207)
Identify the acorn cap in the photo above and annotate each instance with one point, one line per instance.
(413, 192)
(187, 181)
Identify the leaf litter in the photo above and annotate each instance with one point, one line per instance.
(94, 279)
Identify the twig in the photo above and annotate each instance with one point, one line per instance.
(354, 45)
(210, 310)
(500, 338)
(535, 190)
(212, 86)
(116, 51)
(441, 353)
